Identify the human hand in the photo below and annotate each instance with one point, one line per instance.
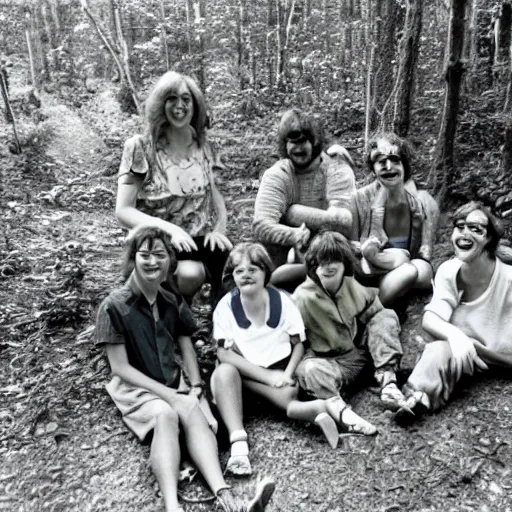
(425, 252)
(370, 247)
(217, 239)
(196, 391)
(279, 379)
(302, 235)
(286, 381)
(464, 355)
(181, 240)
(339, 150)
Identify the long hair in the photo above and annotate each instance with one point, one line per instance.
(150, 234)
(255, 253)
(494, 227)
(405, 151)
(154, 109)
(296, 122)
(329, 247)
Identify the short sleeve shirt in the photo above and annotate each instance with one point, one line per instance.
(262, 346)
(178, 191)
(125, 317)
(487, 318)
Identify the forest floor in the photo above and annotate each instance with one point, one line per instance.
(62, 443)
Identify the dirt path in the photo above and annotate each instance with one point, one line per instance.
(62, 444)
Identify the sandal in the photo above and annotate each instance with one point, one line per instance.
(238, 462)
(417, 404)
(329, 429)
(263, 494)
(238, 465)
(354, 424)
(392, 397)
(348, 419)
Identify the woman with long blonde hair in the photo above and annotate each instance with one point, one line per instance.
(166, 181)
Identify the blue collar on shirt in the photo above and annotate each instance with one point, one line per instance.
(275, 303)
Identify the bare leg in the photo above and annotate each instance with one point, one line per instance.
(288, 276)
(397, 282)
(165, 456)
(285, 398)
(425, 274)
(227, 392)
(202, 447)
(190, 276)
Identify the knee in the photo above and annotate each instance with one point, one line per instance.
(225, 374)
(166, 417)
(409, 272)
(190, 276)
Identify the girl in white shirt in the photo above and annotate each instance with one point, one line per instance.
(469, 314)
(260, 335)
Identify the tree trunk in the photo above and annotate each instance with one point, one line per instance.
(199, 19)
(506, 154)
(268, 46)
(9, 114)
(126, 56)
(279, 46)
(163, 37)
(28, 37)
(442, 174)
(405, 79)
(471, 46)
(240, 41)
(108, 45)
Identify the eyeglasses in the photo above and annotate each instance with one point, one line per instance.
(159, 255)
(296, 137)
(382, 160)
(475, 227)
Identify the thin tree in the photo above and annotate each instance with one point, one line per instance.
(163, 36)
(401, 95)
(442, 172)
(9, 114)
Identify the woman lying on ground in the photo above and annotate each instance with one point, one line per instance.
(469, 315)
(166, 180)
(393, 221)
(333, 306)
(143, 327)
(260, 338)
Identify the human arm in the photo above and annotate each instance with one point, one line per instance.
(249, 370)
(272, 202)
(429, 226)
(190, 363)
(340, 185)
(462, 346)
(492, 356)
(217, 237)
(295, 357)
(132, 173)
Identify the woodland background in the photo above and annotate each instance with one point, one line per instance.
(73, 77)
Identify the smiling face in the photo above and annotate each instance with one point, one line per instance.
(331, 275)
(152, 264)
(300, 152)
(387, 164)
(248, 277)
(469, 237)
(179, 107)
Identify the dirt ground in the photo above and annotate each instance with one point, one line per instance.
(62, 443)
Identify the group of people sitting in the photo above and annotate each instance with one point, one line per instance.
(307, 306)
